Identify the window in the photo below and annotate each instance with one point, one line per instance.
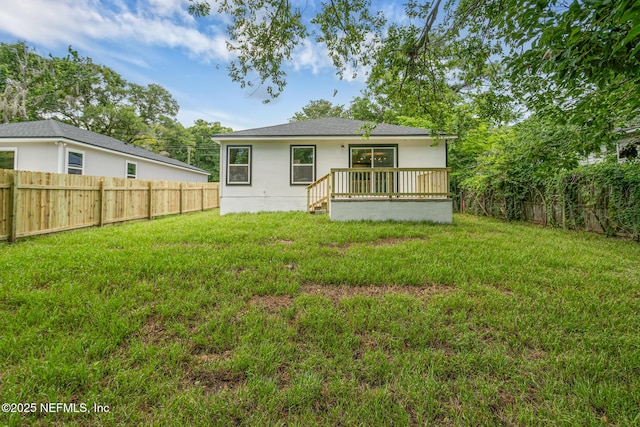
(303, 164)
(8, 158)
(239, 164)
(367, 159)
(75, 162)
(132, 170)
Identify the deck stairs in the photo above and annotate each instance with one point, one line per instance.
(319, 208)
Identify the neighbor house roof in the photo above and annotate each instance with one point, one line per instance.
(327, 127)
(56, 129)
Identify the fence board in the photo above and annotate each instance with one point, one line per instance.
(46, 203)
(6, 179)
(535, 211)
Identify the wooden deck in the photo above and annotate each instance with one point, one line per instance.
(378, 183)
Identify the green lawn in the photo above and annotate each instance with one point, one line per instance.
(291, 319)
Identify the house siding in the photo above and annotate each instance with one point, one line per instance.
(47, 156)
(270, 188)
(35, 156)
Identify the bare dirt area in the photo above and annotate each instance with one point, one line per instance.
(273, 303)
(337, 293)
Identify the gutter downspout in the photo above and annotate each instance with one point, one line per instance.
(61, 145)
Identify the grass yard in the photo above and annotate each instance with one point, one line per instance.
(290, 319)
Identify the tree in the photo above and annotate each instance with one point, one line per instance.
(22, 74)
(318, 109)
(264, 33)
(77, 91)
(206, 153)
(575, 61)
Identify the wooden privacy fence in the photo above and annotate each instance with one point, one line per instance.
(39, 203)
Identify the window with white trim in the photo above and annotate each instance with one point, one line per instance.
(75, 162)
(239, 164)
(8, 158)
(132, 170)
(303, 164)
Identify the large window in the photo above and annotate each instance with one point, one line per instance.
(75, 162)
(8, 158)
(239, 165)
(132, 169)
(303, 164)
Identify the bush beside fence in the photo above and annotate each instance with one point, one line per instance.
(34, 203)
(603, 198)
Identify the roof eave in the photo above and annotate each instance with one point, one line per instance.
(327, 137)
(56, 139)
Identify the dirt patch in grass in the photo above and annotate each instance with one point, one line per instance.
(153, 331)
(501, 407)
(274, 303)
(395, 240)
(214, 381)
(337, 293)
(271, 303)
(273, 242)
(385, 241)
(284, 242)
(203, 358)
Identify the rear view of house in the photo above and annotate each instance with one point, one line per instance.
(52, 146)
(394, 172)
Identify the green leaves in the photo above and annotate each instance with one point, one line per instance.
(263, 34)
(97, 98)
(319, 109)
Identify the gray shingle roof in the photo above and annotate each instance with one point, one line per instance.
(56, 129)
(324, 127)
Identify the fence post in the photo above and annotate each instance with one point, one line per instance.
(202, 204)
(181, 196)
(101, 214)
(150, 199)
(13, 215)
(564, 213)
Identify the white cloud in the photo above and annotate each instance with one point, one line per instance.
(236, 122)
(156, 23)
(163, 23)
(311, 55)
(171, 8)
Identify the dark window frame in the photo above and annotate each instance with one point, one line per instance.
(248, 165)
(291, 164)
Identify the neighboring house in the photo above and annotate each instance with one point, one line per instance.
(394, 172)
(52, 146)
(627, 148)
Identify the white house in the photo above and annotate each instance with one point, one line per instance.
(627, 147)
(394, 172)
(52, 146)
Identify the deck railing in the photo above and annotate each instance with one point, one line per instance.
(318, 194)
(413, 183)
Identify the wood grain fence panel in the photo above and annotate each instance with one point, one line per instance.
(45, 203)
(53, 202)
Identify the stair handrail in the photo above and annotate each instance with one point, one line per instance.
(318, 193)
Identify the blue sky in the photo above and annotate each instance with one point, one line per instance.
(157, 41)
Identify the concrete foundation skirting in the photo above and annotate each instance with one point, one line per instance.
(429, 210)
